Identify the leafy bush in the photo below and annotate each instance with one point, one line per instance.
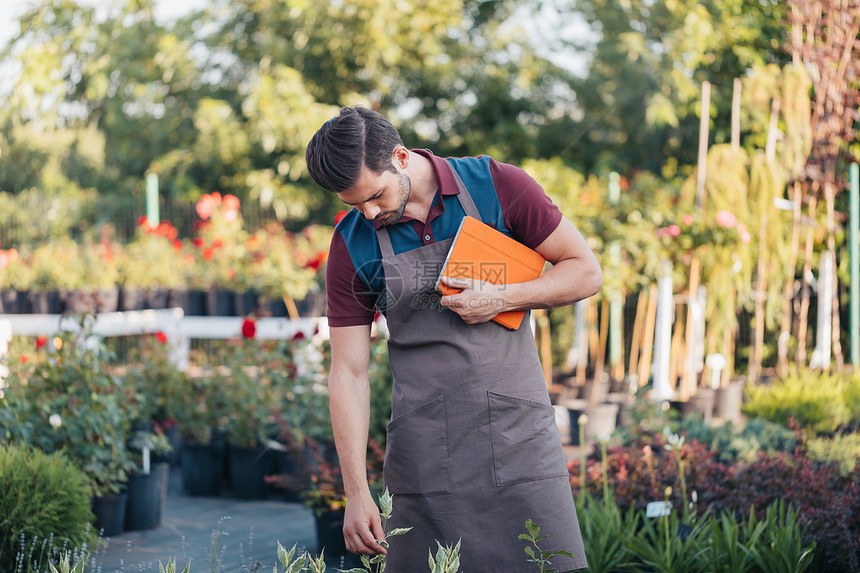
(825, 499)
(43, 497)
(731, 445)
(72, 403)
(826, 502)
(841, 449)
(820, 401)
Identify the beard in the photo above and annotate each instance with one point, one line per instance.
(404, 190)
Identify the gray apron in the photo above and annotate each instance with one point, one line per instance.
(473, 450)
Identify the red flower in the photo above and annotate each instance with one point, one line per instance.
(249, 328)
(299, 335)
(209, 253)
(142, 220)
(340, 215)
(231, 202)
(217, 243)
(198, 242)
(177, 244)
(161, 337)
(41, 342)
(316, 261)
(24, 358)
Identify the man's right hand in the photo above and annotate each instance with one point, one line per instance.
(362, 526)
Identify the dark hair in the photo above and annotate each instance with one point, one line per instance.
(344, 144)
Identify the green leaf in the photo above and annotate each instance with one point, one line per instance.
(398, 531)
(532, 528)
(529, 551)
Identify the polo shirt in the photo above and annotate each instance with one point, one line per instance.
(506, 196)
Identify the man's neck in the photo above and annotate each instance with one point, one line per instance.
(424, 186)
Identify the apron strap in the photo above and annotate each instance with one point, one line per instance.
(465, 199)
(466, 202)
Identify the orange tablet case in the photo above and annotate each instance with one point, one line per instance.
(481, 252)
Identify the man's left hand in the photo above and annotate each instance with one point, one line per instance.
(477, 302)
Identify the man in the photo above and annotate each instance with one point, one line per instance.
(472, 447)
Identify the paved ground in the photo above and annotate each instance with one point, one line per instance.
(219, 534)
(248, 529)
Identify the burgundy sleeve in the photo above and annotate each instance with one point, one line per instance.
(530, 215)
(348, 302)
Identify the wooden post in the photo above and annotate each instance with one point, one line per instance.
(689, 384)
(736, 114)
(648, 338)
(704, 125)
(636, 336)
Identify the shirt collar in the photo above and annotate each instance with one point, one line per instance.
(447, 183)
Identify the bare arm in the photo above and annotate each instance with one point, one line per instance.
(575, 275)
(349, 396)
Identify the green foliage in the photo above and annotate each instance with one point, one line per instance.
(534, 552)
(732, 445)
(605, 533)
(815, 400)
(446, 560)
(44, 502)
(72, 403)
(843, 449)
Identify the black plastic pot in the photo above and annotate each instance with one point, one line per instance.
(220, 302)
(51, 302)
(132, 298)
(157, 297)
(110, 513)
(248, 467)
(202, 468)
(192, 302)
(146, 497)
(14, 302)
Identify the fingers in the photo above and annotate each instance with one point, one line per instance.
(361, 534)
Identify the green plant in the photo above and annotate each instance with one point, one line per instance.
(151, 260)
(447, 559)
(670, 546)
(814, 400)
(386, 509)
(783, 535)
(843, 449)
(72, 403)
(605, 532)
(43, 498)
(535, 554)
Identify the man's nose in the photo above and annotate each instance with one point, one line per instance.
(371, 211)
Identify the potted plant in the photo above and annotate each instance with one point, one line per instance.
(220, 248)
(73, 404)
(274, 258)
(14, 282)
(55, 268)
(149, 267)
(201, 434)
(147, 485)
(97, 290)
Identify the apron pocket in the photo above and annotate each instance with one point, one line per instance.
(416, 457)
(525, 438)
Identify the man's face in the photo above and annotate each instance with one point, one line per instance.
(379, 196)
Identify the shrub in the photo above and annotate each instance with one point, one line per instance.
(841, 449)
(814, 400)
(44, 496)
(730, 445)
(72, 403)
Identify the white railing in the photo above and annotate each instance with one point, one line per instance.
(178, 329)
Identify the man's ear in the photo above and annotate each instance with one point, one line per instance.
(400, 157)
